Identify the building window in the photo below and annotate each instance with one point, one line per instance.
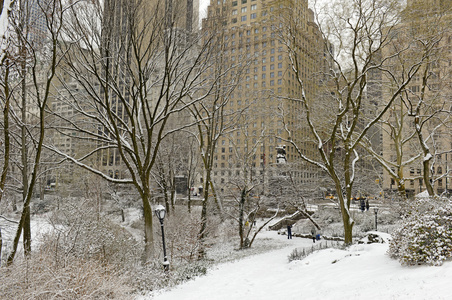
(243, 9)
(234, 3)
(234, 12)
(253, 16)
(254, 7)
(243, 18)
(234, 20)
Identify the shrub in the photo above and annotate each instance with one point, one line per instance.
(80, 231)
(425, 234)
(41, 277)
(301, 253)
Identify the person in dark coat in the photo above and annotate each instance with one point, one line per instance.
(289, 231)
(313, 234)
(363, 205)
(367, 204)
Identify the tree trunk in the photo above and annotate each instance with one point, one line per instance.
(5, 136)
(345, 209)
(241, 220)
(203, 231)
(24, 151)
(1, 245)
(148, 230)
(401, 190)
(427, 178)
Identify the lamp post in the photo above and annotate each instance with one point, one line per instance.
(160, 212)
(376, 223)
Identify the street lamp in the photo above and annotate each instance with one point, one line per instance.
(376, 212)
(160, 212)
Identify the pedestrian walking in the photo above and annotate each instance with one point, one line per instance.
(367, 204)
(313, 234)
(289, 231)
(362, 204)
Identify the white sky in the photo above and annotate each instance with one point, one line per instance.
(203, 8)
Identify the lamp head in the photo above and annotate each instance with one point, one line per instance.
(160, 212)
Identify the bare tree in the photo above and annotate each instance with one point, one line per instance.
(136, 72)
(246, 186)
(33, 57)
(421, 112)
(5, 92)
(215, 119)
(361, 29)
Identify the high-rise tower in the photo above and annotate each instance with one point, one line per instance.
(255, 39)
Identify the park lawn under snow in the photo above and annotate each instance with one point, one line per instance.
(361, 272)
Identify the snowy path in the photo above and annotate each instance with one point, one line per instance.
(364, 272)
(250, 278)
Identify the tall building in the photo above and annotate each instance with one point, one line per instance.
(254, 37)
(115, 63)
(152, 18)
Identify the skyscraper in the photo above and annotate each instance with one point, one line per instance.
(255, 36)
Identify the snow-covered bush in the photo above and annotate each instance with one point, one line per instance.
(425, 234)
(41, 276)
(79, 229)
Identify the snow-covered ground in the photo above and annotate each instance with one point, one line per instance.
(362, 272)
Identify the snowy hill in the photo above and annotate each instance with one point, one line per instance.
(361, 272)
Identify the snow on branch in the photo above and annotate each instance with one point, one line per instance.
(7, 7)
